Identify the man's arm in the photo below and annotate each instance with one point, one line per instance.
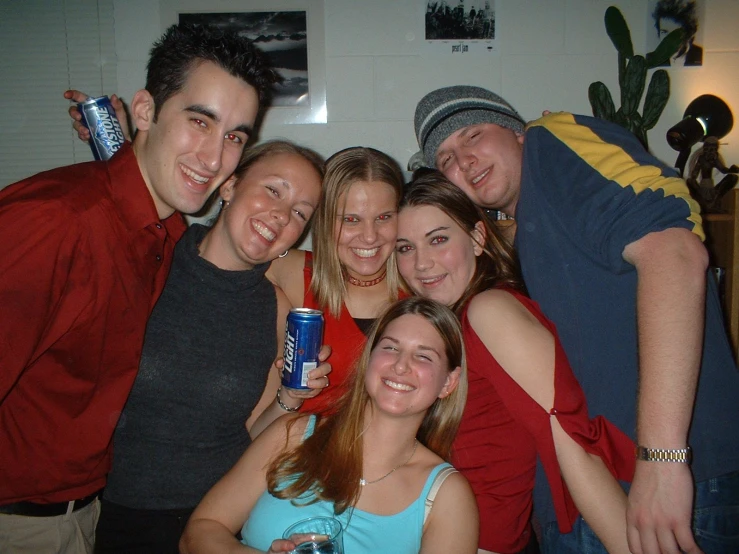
(37, 251)
(671, 270)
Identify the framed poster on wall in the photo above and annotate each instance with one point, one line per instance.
(290, 32)
(456, 27)
(664, 16)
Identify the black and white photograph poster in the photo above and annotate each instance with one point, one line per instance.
(664, 16)
(460, 26)
(289, 32)
(280, 35)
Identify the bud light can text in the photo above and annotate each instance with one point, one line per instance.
(303, 338)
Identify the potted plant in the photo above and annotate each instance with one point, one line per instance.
(632, 77)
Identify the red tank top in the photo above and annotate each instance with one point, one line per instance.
(346, 341)
(502, 431)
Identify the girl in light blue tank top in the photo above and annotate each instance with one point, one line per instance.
(400, 533)
(373, 463)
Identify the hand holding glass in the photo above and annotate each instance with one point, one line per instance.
(316, 535)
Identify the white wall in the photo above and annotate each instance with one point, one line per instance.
(378, 66)
(47, 46)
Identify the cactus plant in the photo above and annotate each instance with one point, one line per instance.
(632, 77)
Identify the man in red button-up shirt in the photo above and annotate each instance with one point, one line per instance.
(84, 254)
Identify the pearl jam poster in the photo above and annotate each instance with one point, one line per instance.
(460, 27)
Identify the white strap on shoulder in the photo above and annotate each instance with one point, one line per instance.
(435, 486)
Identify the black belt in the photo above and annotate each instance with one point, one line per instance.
(32, 509)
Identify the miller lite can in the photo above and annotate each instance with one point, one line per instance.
(303, 339)
(106, 135)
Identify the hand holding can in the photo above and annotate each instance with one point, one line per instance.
(106, 135)
(303, 338)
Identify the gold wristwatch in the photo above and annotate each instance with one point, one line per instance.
(678, 455)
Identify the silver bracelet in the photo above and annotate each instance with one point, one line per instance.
(284, 406)
(677, 455)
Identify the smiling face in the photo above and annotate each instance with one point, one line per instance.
(266, 212)
(485, 162)
(366, 227)
(408, 368)
(436, 257)
(197, 139)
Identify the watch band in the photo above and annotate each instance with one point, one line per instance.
(679, 455)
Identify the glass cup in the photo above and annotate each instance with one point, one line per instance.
(316, 535)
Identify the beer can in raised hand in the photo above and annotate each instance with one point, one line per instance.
(303, 339)
(106, 135)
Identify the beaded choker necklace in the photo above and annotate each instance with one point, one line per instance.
(359, 283)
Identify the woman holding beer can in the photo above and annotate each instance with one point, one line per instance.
(351, 274)
(209, 345)
(523, 400)
(377, 465)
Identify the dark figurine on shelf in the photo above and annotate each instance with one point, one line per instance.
(700, 176)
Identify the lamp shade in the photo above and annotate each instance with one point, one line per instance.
(706, 116)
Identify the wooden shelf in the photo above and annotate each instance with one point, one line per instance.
(718, 217)
(722, 241)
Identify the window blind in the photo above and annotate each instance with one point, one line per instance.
(47, 47)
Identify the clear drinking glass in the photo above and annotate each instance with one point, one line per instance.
(316, 535)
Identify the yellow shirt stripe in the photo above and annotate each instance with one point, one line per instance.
(615, 164)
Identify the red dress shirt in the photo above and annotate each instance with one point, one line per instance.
(83, 259)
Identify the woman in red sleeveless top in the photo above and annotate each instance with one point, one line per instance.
(523, 399)
(351, 274)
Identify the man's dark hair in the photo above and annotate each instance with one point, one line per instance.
(681, 12)
(183, 47)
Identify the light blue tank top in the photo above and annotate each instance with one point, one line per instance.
(364, 532)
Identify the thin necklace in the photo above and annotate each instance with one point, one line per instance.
(363, 482)
(359, 283)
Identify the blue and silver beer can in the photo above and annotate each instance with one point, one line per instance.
(106, 135)
(303, 339)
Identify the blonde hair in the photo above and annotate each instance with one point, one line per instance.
(253, 155)
(343, 169)
(328, 464)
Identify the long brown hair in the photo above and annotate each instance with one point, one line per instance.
(328, 464)
(343, 169)
(497, 265)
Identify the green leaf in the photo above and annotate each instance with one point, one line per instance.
(618, 31)
(667, 48)
(601, 101)
(635, 79)
(621, 69)
(641, 134)
(635, 122)
(620, 118)
(657, 95)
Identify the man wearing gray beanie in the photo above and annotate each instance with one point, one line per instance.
(609, 242)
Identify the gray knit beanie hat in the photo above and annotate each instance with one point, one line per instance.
(446, 110)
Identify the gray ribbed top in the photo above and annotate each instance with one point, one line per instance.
(209, 345)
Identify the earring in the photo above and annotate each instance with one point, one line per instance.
(224, 204)
(283, 254)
